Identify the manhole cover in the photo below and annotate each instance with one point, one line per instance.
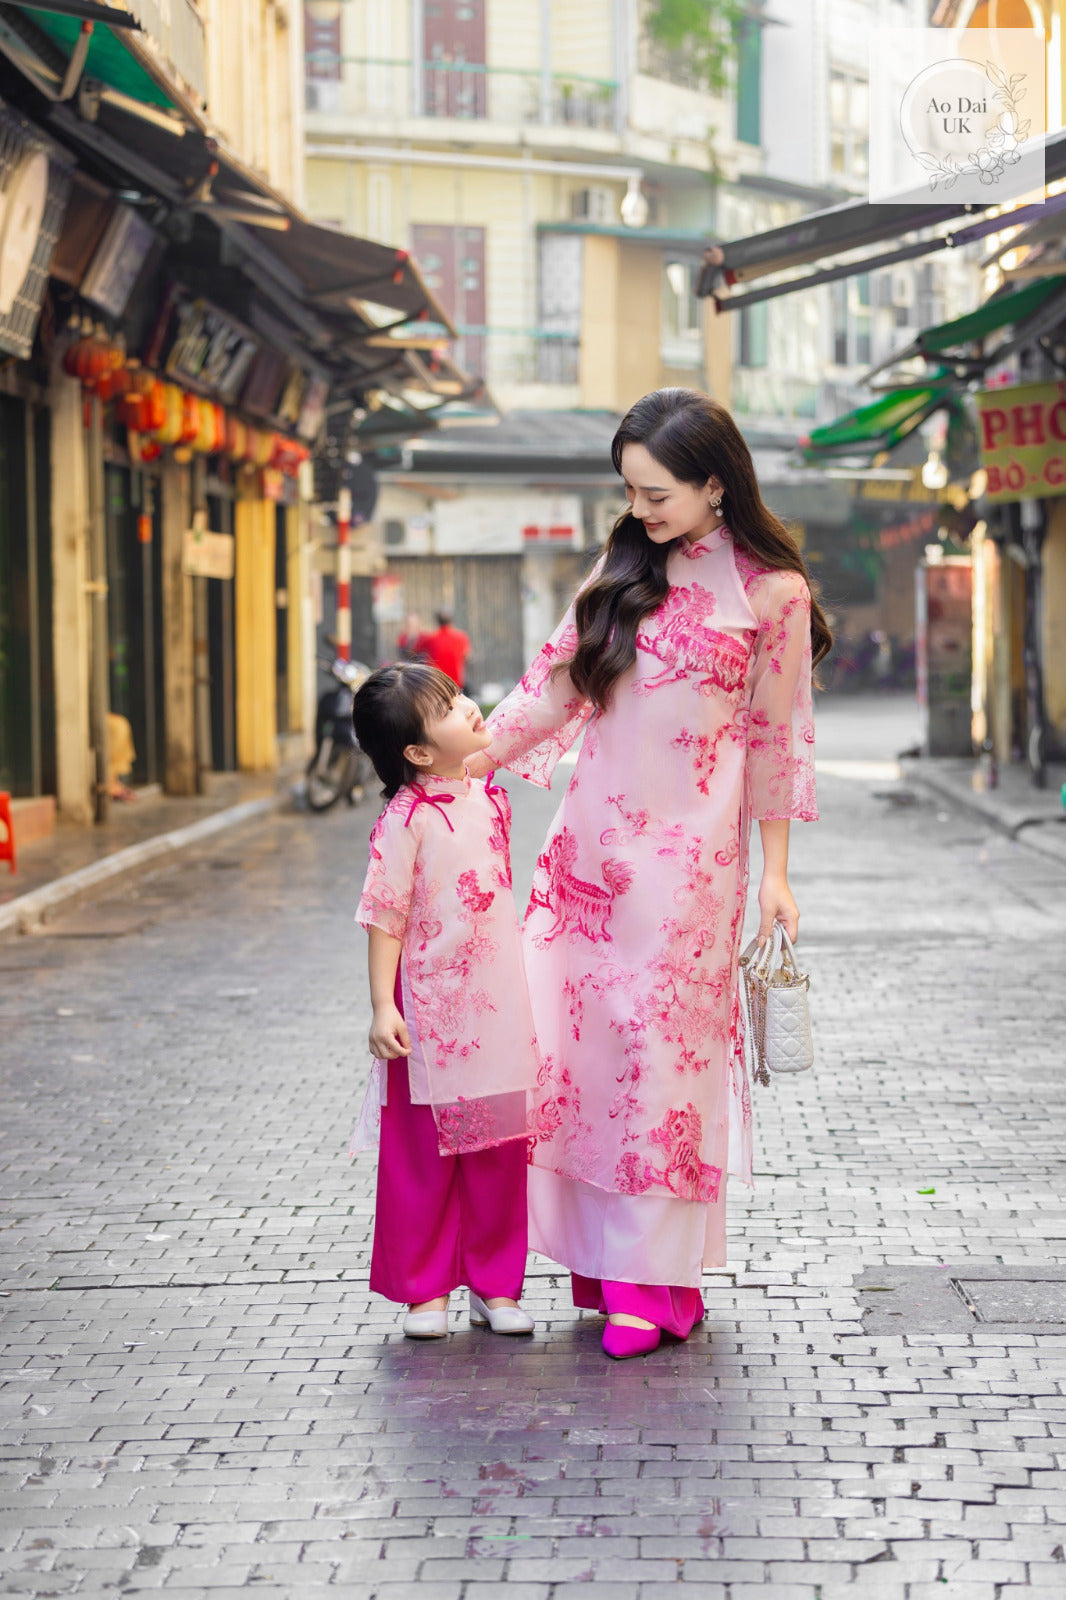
(1025, 1300)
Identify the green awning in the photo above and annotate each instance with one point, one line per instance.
(878, 426)
(108, 58)
(1001, 312)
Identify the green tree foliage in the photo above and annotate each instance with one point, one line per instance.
(701, 34)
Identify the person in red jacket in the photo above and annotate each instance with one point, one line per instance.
(448, 648)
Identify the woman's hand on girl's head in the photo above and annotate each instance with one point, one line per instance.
(388, 1034)
(478, 765)
(777, 905)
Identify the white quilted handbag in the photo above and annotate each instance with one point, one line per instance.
(773, 1000)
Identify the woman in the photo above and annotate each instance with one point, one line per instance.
(686, 658)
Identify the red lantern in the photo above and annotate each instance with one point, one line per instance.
(155, 396)
(79, 332)
(190, 419)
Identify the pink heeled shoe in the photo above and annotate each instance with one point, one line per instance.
(621, 1341)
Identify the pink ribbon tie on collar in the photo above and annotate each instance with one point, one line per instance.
(492, 790)
(437, 801)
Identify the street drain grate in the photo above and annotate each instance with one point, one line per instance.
(966, 1297)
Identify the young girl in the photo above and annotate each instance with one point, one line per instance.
(452, 1031)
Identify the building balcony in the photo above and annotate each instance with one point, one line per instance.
(383, 94)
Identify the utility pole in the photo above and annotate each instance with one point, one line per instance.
(344, 575)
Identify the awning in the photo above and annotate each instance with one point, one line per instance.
(1031, 312)
(1000, 312)
(854, 226)
(340, 272)
(151, 52)
(879, 426)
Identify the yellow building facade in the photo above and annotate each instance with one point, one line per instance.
(515, 159)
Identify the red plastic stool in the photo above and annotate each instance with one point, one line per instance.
(7, 845)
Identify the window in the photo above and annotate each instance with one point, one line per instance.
(452, 260)
(754, 335)
(849, 127)
(682, 328)
(453, 52)
(560, 261)
(852, 320)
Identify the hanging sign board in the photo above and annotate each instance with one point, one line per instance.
(207, 555)
(118, 260)
(1022, 435)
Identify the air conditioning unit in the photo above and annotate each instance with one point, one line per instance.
(594, 204)
(322, 94)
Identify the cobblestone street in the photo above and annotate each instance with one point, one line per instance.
(200, 1397)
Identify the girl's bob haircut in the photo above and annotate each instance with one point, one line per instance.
(392, 710)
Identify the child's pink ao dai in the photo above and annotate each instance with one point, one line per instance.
(440, 880)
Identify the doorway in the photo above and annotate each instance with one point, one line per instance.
(135, 613)
(27, 682)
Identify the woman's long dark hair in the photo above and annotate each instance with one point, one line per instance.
(694, 438)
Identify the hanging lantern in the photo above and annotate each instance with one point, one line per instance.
(141, 449)
(204, 441)
(80, 331)
(155, 396)
(190, 419)
(169, 430)
(236, 438)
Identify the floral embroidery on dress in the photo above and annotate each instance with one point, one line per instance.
(500, 838)
(684, 1172)
(464, 1125)
(437, 881)
(679, 635)
(474, 898)
(634, 922)
(577, 905)
(637, 825)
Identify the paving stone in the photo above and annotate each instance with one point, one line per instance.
(226, 1409)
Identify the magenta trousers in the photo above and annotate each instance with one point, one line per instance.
(442, 1221)
(674, 1310)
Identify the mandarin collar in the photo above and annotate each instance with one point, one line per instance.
(710, 541)
(453, 785)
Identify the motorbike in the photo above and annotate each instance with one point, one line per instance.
(338, 766)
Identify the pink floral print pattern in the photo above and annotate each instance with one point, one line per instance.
(633, 927)
(439, 880)
(577, 906)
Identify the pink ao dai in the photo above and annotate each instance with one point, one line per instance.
(632, 933)
(439, 879)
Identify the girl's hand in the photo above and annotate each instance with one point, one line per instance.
(478, 765)
(777, 905)
(388, 1034)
